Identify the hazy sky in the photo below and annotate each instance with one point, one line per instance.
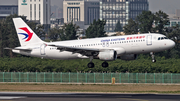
(168, 6)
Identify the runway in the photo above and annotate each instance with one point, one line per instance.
(29, 96)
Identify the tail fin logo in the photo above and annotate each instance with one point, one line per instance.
(28, 34)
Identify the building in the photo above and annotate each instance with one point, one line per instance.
(120, 10)
(173, 22)
(6, 10)
(8, 7)
(174, 19)
(55, 22)
(36, 10)
(91, 12)
(82, 11)
(59, 21)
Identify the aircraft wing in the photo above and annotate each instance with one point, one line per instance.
(83, 51)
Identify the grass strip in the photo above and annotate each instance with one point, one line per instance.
(117, 88)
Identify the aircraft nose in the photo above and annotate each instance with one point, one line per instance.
(171, 44)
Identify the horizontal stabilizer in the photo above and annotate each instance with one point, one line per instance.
(19, 48)
(8, 48)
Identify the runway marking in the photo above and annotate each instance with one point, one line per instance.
(23, 93)
(133, 99)
(10, 97)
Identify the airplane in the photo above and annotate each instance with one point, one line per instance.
(125, 47)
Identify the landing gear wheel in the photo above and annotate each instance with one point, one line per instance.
(153, 61)
(153, 57)
(91, 65)
(105, 64)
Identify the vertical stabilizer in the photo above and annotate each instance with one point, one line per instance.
(25, 34)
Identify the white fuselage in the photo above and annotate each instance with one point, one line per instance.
(128, 44)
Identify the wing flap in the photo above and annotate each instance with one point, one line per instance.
(84, 51)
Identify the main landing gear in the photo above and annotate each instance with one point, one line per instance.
(91, 64)
(105, 64)
(153, 57)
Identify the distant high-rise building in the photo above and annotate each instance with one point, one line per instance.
(80, 11)
(6, 10)
(37, 10)
(173, 22)
(8, 7)
(121, 10)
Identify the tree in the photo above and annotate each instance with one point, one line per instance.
(175, 36)
(145, 21)
(131, 27)
(96, 29)
(55, 33)
(118, 27)
(70, 32)
(3, 37)
(8, 35)
(161, 19)
(12, 39)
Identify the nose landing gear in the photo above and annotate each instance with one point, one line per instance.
(153, 57)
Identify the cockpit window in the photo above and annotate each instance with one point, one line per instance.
(162, 38)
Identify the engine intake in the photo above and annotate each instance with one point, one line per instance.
(107, 55)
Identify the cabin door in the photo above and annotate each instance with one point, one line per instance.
(149, 40)
(42, 49)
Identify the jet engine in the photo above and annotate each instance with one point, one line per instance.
(128, 57)
(107, 55)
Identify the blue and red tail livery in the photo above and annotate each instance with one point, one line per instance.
(25, 34)
(28, 34)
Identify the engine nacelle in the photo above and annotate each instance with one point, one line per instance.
(128, 57)
(107, 55)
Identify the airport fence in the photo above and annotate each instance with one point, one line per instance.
(54, 77)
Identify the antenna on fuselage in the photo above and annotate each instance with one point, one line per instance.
(149, 32)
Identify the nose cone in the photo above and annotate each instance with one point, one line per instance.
(171, 44)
